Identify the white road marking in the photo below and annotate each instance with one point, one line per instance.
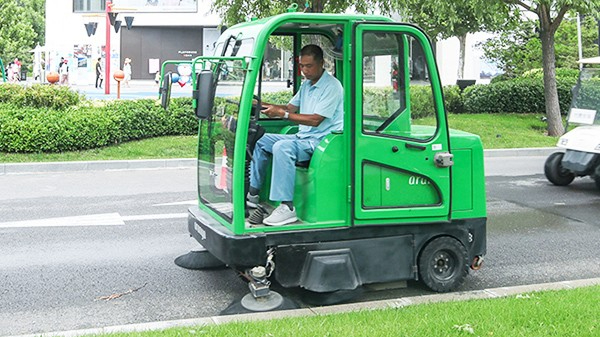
(107, 219)
(189, 202)
(154, 216)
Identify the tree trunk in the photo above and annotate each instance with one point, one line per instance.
(462, 39)
(555, 125)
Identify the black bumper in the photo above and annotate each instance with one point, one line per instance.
(233, 250)
(250, 250)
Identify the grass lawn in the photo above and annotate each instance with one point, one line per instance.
(496, 130)
(152, 148)
(550, 313)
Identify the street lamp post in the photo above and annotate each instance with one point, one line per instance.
(107, 49)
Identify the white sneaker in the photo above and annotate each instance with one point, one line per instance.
(252, 200)
(281, 216)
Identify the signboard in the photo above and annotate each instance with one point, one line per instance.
(582, 116)
(141, 6)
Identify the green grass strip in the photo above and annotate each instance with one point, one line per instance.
(549, 313)
(151, 148)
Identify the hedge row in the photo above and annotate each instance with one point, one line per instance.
(523, 95)
(44, 118)
(39, 96)
(29, 129)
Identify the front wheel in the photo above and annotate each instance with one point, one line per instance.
(443, 264)
(555, 172)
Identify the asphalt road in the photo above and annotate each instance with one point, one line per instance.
(70, 240)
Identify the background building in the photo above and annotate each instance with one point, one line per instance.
(174, 30)
(161, 30)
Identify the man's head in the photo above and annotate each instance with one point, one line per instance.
(311, 62)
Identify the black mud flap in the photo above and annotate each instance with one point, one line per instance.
(329, 270)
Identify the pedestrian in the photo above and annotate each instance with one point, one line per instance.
(99, 73)
(16, 69)
(127, 71)
(9, 72)
(63, 71)
(157, 77)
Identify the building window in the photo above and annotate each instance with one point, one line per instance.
(80, 6)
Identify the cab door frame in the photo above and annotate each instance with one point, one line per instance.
(390, 161)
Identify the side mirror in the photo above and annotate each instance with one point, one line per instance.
(165, 90)
(205, 94)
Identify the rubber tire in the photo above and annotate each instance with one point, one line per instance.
(443, 264)
(554, 171)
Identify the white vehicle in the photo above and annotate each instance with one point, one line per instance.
(582, 144)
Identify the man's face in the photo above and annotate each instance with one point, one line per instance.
(311, 69)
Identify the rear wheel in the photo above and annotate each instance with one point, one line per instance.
(555, 172)
(443, 264)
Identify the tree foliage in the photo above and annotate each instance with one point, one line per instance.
(443, 19)
(549, 15)
(235, 11)
(518, 48)
(448, 18)
(21, 28)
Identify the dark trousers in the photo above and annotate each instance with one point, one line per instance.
(99, 84)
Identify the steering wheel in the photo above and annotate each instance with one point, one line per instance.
(256, 108)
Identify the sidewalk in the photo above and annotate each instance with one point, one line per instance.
(22, 168)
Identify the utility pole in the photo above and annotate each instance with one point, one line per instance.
(107, 49)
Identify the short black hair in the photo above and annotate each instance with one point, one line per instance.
(312, 50)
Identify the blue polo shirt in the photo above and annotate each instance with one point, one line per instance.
(324, 98)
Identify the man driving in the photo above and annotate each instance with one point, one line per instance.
(318, 109)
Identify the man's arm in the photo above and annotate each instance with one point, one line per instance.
(278, 111)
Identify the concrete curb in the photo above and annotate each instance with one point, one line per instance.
(102, 165)
(333, 309)
(523, 152)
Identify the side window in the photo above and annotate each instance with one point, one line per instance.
(397, 96)
(330, 52)
(276, 73)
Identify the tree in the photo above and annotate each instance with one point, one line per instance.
(36, 15)
(443, 19)
(17, 33)
(235, 11)
(550, 14)
(518, 48)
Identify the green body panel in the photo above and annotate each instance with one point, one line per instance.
(468, 178)
(390, 187)
(321, 189)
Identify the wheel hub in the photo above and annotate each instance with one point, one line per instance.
(443, 265)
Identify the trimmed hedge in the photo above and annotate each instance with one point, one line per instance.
(29, 129)
(39, 96)
(524, 95)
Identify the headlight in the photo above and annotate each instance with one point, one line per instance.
(563, 141)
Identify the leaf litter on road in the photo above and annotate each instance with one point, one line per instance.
(117, 295)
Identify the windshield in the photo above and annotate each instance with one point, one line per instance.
(217, 133)
(586, 98)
